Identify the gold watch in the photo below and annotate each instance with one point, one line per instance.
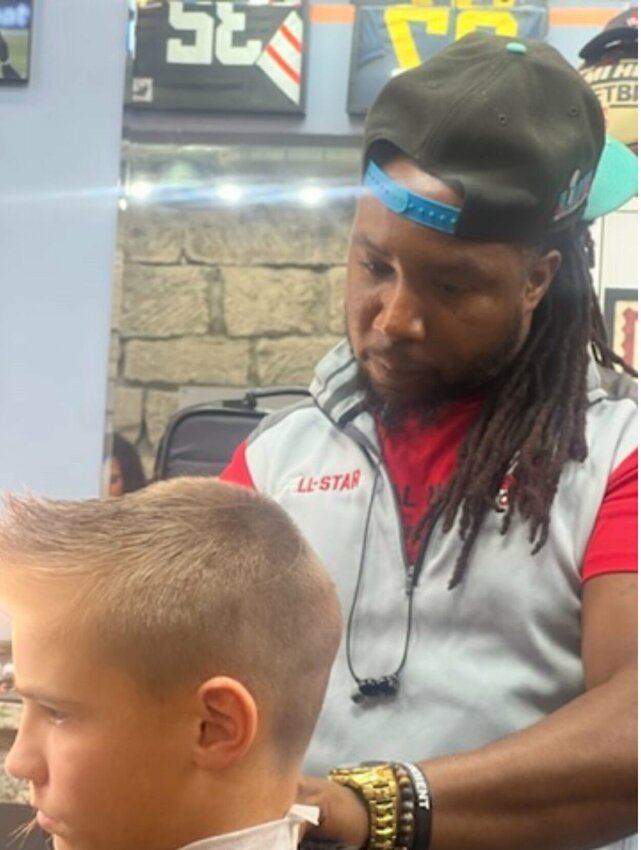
(377, 786)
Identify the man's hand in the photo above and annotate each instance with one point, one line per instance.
(343, 815)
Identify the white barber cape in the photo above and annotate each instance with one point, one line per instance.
(278, 835)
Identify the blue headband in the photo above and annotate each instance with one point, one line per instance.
(401, 201)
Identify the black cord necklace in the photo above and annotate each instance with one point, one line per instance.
(380, 686)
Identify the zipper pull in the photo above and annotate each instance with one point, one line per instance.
(409, 580)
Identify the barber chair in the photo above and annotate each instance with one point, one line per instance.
(201, 439)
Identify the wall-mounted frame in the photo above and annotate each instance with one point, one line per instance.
(209, 56)
(389, 36)
(621, 320)
(15, 41)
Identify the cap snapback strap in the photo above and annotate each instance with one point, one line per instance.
(416, 208)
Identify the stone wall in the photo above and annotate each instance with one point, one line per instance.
(231, 297)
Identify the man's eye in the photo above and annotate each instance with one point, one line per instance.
(377, 268)
(452, 289)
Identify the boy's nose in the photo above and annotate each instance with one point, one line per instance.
(23, 761)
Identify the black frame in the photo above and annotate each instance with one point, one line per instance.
(181, 95)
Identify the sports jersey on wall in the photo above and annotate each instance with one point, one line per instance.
(203, 55)
(389, 38)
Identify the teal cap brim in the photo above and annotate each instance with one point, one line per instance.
(615, 182)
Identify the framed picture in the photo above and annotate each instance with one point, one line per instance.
(389, 37)
(621, 319)
(210, 56)
(15, 40)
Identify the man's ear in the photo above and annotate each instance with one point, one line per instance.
(228, 724)
(542, 270)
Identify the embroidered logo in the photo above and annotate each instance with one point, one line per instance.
(336, 483)
(577, 191)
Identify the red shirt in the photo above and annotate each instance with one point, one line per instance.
(421, 458)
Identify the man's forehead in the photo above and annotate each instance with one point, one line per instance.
(375, 233)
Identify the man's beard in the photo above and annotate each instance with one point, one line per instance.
(489, 371)
(392, 414)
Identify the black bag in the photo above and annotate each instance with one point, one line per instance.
(200, 439)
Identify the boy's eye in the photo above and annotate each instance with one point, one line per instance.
(53, 714)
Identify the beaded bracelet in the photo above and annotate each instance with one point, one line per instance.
(422, 802)
(406, 820)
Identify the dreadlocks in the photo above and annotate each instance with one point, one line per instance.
(533, 419)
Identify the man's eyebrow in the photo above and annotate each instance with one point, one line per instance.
(365, 242)
(463, 264)
(467, 265)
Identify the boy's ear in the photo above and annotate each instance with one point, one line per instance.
(228, 724)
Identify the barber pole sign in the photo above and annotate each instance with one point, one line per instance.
(219, 56)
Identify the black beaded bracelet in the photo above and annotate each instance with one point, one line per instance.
(406, 819)
(422, 807)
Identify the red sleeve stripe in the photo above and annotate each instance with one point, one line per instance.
(237, 472)
(613, 547)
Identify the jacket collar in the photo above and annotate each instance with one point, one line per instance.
(336, 390)
(335, 383)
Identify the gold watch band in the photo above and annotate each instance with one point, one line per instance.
(378, 787)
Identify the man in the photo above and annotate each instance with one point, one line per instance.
(172, 649)
(466, 471)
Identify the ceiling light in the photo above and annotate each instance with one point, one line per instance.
(230, 192)
(140, 190)
(311, 195)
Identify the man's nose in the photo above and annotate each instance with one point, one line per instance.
(24, 760)
(401, 315)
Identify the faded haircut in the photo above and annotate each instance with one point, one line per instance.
(188, 579)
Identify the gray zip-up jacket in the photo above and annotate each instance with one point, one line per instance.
(487, 659)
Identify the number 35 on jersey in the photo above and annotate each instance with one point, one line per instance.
(209, 56)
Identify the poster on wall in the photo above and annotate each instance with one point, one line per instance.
(621, 320)
(389, 38)
(208, 56)
(15, 40)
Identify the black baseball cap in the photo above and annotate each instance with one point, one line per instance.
(507, 122)
(621, 30)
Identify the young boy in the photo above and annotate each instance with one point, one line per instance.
(172, 649)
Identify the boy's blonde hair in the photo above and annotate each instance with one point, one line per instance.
(188, 579)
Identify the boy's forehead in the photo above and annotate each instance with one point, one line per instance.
(45, 643)
(59, 659)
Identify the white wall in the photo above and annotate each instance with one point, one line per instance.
(59, 169)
